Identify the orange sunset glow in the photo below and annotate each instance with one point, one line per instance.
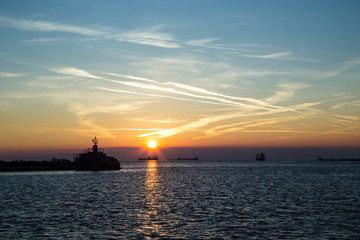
(230, 88)
(187, 119)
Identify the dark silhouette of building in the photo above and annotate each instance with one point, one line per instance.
(95, 159)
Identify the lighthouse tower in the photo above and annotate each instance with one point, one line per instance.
(95, 147)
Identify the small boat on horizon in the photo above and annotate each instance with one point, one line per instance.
(149, 158)
(260, 156)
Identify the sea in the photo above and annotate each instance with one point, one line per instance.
(185, 200)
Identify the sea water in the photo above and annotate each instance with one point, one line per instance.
(185, 200)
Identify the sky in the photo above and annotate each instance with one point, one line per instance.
(182, 73)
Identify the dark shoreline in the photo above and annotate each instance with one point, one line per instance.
(338, 160)
(21, 166)
(28, 166)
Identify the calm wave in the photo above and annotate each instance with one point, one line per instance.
(185, 200)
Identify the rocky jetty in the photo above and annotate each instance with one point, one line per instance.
(92, 159)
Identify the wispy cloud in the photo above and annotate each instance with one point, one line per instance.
(132, 77)
(95, 129)
(206, 93)
(241, 115)
(75, 72)
(44, 26)
(202, 122)
(123, 108)
(145, 36)
(42, 40)
(214, 44)
(280, 55)
(354, 104)
(241, 106)
(210, 43)
(86, 115)
(159, 96)
(236, 127)
(248, 103)
(245, 50)
(354, 63)
(149, 36)
(202, 42)
(164, 121)
(286, 91)
(7, 74)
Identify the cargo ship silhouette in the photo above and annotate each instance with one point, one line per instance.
(260, 156)
(149, 158)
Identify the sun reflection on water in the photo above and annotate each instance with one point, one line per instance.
(149, 214)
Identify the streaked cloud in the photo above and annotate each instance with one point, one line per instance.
(94, 129)
(235, 127)
(149, 36)
(202, 122)
(124, 108)
(208, 95)
(286, 91)
(200, 91)
(7, 74)
(354, 104)
(45, 26)
(210, 43)
(340, 68)
(202, 42)
(280, 55)
(42, 40)
(239, 107)
(75, 71)
(132, 77)
(164, 121)
(158, 96)
(145, 36)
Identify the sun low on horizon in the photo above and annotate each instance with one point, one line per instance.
(233, 74)
(152, 144)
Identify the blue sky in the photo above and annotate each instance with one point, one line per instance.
(193, 73)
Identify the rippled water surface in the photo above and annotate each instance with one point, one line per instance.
(185, 200)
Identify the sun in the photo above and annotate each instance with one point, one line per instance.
(152, 144)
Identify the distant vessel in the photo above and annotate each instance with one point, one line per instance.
(342, 159)
(260, 156)
(95, 159)
(149, 158)
(179, 158)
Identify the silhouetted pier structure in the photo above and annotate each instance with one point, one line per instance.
(93, 159)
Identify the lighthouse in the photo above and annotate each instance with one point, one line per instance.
(95, 147)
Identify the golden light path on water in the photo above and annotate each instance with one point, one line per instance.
(151, 207)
